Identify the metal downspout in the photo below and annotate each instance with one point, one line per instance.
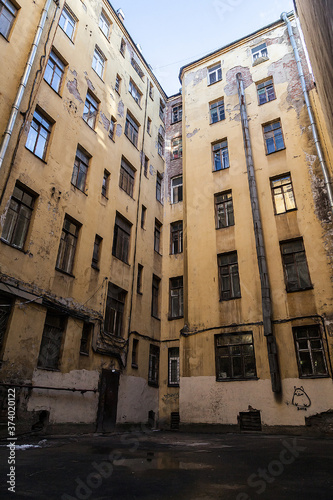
(24, 81)
(261, 256)
(284, 17)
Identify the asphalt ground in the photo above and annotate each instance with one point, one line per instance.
(152, 465)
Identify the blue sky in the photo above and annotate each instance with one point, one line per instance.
(176, 32)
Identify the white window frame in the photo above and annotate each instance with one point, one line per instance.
(135, 92)
(175, 187)
(259, 51)
(216, 72)
(69, 19)
(98, 62)
(104, 24)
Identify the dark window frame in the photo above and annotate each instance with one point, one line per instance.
(51, 345)
(139, 280)
(297, 260)
(21, 207)
(217, 111)
(105, 184)
(90, 112)
(153, 367)
(55, 66)
(224, 210)
(176, 298)
(220, 155)
(126, 177)
(274, 133)
(176, 237)
(265, 91)
(70, 19)
(135, 353)
(8, 11)
(173, 356)
(156, 282)
(232, 290)
(159, 180)
(121, 238)
(96, 257)
(176, 113)
(285, 188)
(143, 216)
(233, 349)
(86, 338)
(68, 245)
(80, 169)
(157, 236)
(132, 130)
(42, 126)
(310, 344)
(114, 311)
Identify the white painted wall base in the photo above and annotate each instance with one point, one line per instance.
(135, 399)
(203, 400)
(66, 406)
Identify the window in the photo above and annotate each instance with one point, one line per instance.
(162, 110)
(137, 68)
(39, 135)
(228, 276)
(80, 169)
(149, 125)
(146, 165)
(67, 23)
(5, 310)
(67, 246)
(105, 183)
(221, 155)
(177, 189)
(143, 216)
(176, 148)
(176, 236)
(310, 351)
(176, 298)
(112, 131)
(155, 296)
(224, 210)
(7, 17)
(90, 110)
(217, 112)
(54, 71)
(160, 145)
(18, 217)
(154, 358)
(132, 130)
(126, 178)
(259, 53)
(214, 74)
(117, 84)
(98, 62)
(158, 187)
(122, 47)
(139, 279)
(85, 338)
(173, 366)
(283, 194)
(296, 270)
(151, 91)
(177, 112)
(135, 92)
(265, 91)
(273, 137)
(234, 354)
(114, 310)
(157, 236)
(50, 347)
(104, 24)
(121, 239)
(135, 349)
(96, 252)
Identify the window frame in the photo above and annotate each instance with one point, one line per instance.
(162, 110)
(93, 104)
(264, 85)
(257, 54)
(135, 353)
(232, 353)
(117, 85)
(97, 249)
(149, 122)
(178, 188)
(154, 365)
(69, 15)
(283, 194)
(155, 297)
(157, 236)
(127, 177)
(80, 169)
(122, 48)
(132, 129)
(67, 246)
(176, 235)
(105, 22)
(220, 110)
(114, 311)
(159, 179)
(310, 350)
(139, 279)
(9, 6)
(14, 212)
(44, 126)
(121, 238)
(58, 63)
(270, 134)
(143, 216)
(105, 184)
(176, 285)
(135, 92)
(49, 344)
(98, 62)
(160, 145)
(176, 110)
(173, 355)
(229, 215)
(112, 129)
(296, 266)
(224, 160)
(176, 148)
(231, 276)
(215, 69)
(85, 342)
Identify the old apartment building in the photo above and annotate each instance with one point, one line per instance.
(162, 259)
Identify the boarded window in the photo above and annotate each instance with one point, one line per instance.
(228, 276)
(18, 217)
(114, 311)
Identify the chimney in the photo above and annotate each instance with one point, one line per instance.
(121, 15)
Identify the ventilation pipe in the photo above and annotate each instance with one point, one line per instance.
(24, 81)
(284, 17)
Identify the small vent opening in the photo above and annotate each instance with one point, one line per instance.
(174, 425)
(250, 421)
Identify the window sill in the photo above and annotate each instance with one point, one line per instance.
(314, 376)
(13, 246)
(171, 318)
(157, 253)
(133, 365)
(155, 317)
(126, 193)
(122, 53)
(139, 293)
(217, 81)
(236, 379)
(175, 253)
(220, 170)
(47, 369)
(218, 121)
(277, 151)
(107, 37)
(260, 60)
(179, 158)
(224, 227)
(104, 196)
(153, 384)
(41, 159)
(78, 189)
(287, 211)
(118, 91)
(84, 353)
(262, 104)
(136, 101)
(173, 385)
(3, 36)
(64, 272)
(300, 289)
(231, 298)
(69, 38)
(95, 267)
(99, 76)
(178, 121)
(89, 126)
(56, 92)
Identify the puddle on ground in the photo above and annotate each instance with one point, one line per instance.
(158, 460)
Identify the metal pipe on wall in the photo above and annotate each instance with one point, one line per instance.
(284, 17)
(24, 81)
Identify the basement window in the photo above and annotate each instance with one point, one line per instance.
(234, 355)
(310, 351)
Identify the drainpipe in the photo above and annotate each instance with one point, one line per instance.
(261, 255)
(284, 17)
(24, 81)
